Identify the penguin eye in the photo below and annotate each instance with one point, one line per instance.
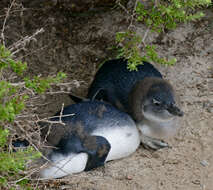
(157, 103)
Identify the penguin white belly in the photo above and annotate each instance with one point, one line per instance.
(65, 165)
(160, 130)
(123, 140)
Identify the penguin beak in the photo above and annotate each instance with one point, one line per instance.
(174, 110)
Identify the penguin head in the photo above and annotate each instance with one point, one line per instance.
(160, 102)
(154, 99)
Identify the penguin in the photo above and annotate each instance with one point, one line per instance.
(148, 98)
(19, 144)
(154, 108)
(85, 136)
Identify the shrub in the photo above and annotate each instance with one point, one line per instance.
(13, 96)
(158, 16)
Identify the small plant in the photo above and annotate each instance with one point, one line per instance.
(158, 17)
(166, 15)
(13, 97)
(130, 47)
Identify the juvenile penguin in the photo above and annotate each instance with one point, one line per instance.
(95, 133)
(144, 94)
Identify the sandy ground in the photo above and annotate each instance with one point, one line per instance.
(77, 45)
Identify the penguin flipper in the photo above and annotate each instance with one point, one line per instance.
(77, 99)
(76, 153)
(100, 94)
(97, 148)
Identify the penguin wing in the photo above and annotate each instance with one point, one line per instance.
(77, 99)
(97, 148)
(100, 94)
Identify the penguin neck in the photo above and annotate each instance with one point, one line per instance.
(137, 97)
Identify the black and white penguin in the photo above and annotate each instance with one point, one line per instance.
(87, 135)
(144, 94)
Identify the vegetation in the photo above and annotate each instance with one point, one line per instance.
(17, 90)
(13, 97)
(158, 16)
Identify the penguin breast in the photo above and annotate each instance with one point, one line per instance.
(123, 140)
(159, 130)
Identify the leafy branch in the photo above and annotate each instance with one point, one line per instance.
(13, 97)
(158, 17)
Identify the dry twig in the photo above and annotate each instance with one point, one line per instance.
(20, 45)
(5, 20)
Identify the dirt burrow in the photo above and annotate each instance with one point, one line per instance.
(78, 44)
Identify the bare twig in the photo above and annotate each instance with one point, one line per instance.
(118, 2)
(27, 176)
(145, 35)
(5, 20)
(20, 84)
(148, 29)
(16, 11)
(20, 45)
(60, 116)
(133, 15)
(32, 52)
(58, 92)
(61, 113)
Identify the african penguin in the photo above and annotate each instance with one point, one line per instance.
(90, 133)
(144, 94)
